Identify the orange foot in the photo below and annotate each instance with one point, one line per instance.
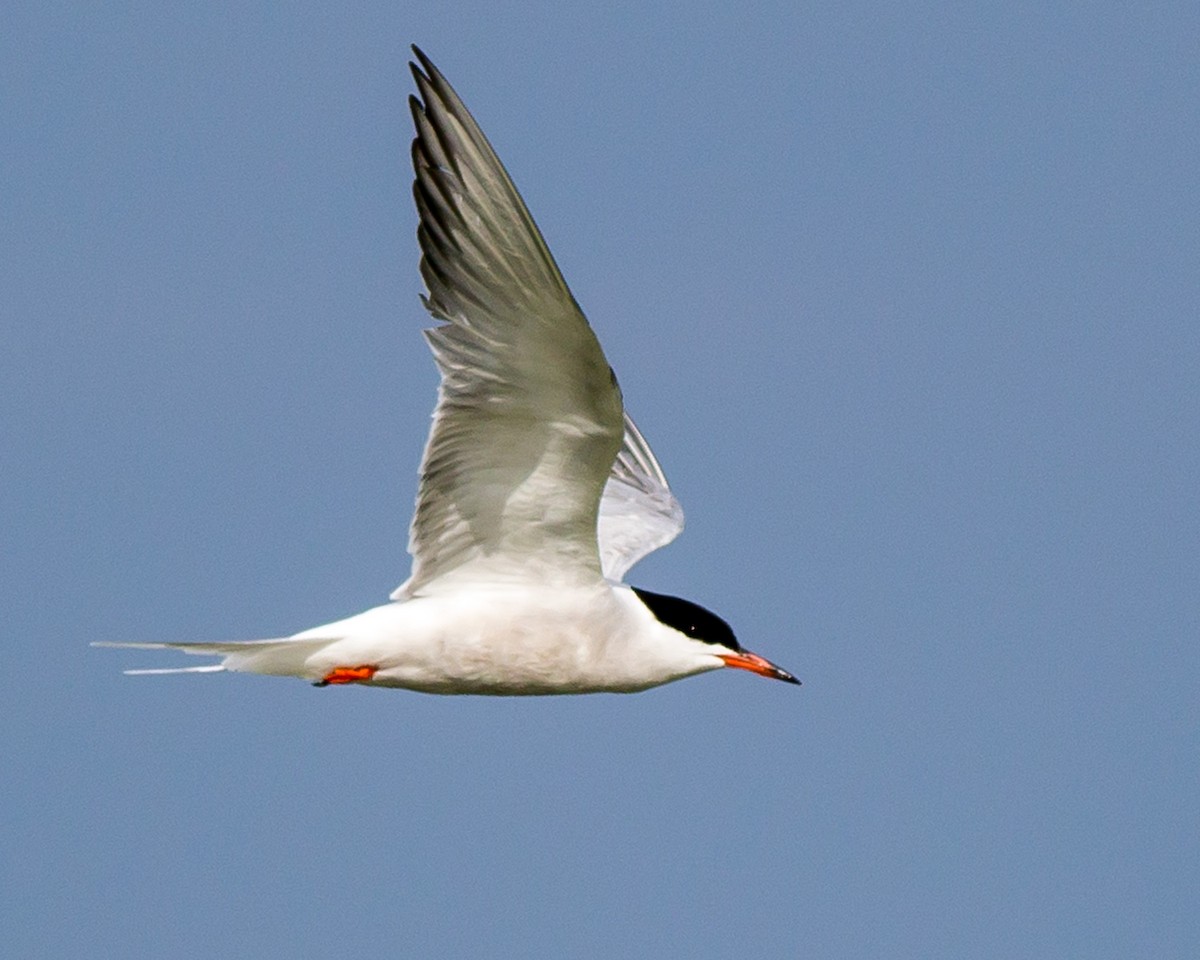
(346, 675)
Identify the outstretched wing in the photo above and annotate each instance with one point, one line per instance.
(529, 417)
(638, 512)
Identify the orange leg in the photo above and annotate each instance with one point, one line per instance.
(346, 675)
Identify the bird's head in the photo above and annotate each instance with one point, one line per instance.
(714, 637)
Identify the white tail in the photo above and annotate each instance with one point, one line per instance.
(282, 657)
(208, 668)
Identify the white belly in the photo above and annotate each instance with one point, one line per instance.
(497, 641)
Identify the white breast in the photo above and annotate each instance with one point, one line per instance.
(504, 640)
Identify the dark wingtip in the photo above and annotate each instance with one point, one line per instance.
(424, 68)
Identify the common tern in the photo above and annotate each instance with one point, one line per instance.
(537, 492)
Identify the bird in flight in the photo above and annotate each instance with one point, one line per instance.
(537, 492)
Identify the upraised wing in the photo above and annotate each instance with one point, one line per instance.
(638, 512)
(529, 417)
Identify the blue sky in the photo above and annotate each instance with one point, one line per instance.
(905, 297)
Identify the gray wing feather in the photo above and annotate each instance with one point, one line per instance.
(638, 512)
(529, 416)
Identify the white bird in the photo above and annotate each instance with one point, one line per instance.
(537, 492)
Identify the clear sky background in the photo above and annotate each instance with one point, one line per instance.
(904, 295)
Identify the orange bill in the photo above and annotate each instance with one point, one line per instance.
(745, 660)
